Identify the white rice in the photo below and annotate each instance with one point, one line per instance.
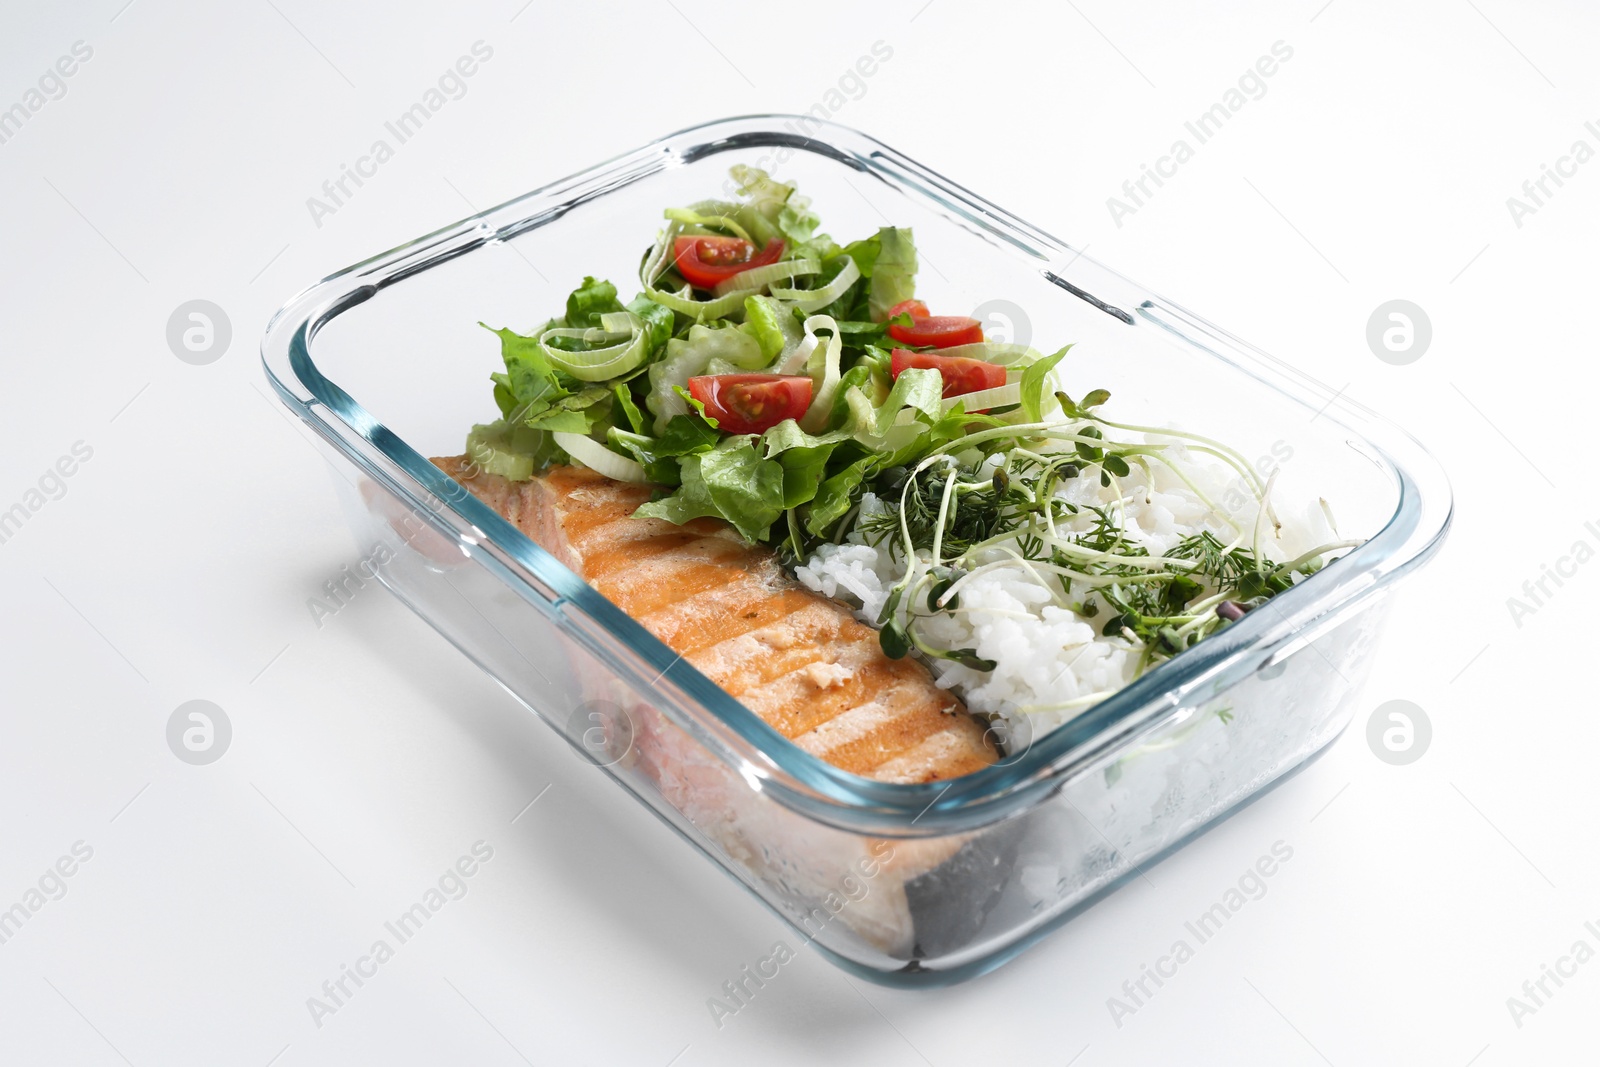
(1052, 663)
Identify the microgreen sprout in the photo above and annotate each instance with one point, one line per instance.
(1016, 498)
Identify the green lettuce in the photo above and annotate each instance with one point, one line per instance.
(589, 301)
(687, 434)
(774, 329)
(657, 321)
(773, 208)
(894, 272)
(888, 264)
(577, 412)
(731, 481)
(787, 485)
(1034, 379)
(530, 383)
(836, 495)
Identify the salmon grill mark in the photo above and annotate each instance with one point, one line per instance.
(793, 657)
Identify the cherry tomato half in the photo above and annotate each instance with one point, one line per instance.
(961, 375)
(915, 308)
(754, 403)
(938, 331)
(706, 261)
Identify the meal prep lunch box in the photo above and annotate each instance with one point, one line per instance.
(903, 884)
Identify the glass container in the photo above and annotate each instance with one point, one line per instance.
(902, 884)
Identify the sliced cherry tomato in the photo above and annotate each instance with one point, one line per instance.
(939, 331)
(754, 403)
(961, 374)
(706, 260)
(915, 308)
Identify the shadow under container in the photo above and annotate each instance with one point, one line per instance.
(906, 885)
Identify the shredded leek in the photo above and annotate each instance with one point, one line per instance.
(822, 363)
(600, 459)
(809, 300)
(995, 352)
(984, 399)
(691, 217)
(630, 347)
(759, 277)
(701, 310)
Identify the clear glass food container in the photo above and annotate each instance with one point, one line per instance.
(902, 884)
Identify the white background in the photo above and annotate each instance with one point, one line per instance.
(368, 755)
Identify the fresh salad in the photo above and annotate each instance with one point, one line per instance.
(982, 517)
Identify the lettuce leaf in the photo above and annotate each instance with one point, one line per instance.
(918, 388)
(774, 329)
(732, 482)
(836, 495)
(747, 489)
(864, 335)
(530, 384)
(589, 301)
(865, 253)
(690, 501)
(859, 379)
(504, 398)
(888, 264)
(1034, 378)
(894, 272)
(803, 456)
(880, 425)
(776, 204)
(575, 413)
(686, 434)
(657, 320)
(629, 410)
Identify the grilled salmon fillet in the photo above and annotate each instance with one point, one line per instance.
(797, 659)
